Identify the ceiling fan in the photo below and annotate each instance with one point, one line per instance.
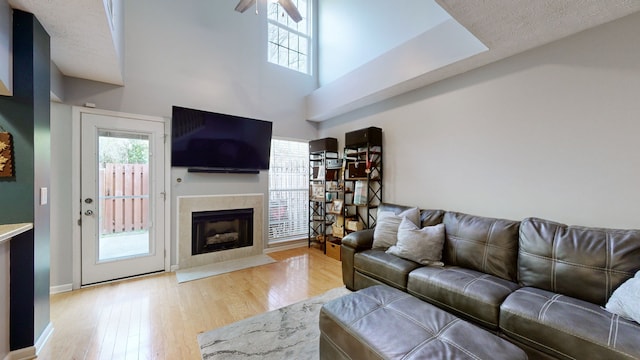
(287, 5)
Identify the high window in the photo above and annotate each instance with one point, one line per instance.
(288, 190)
(290, 42)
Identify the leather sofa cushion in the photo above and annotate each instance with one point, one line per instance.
(387, 268)
(568, 328)
(585, 263)
(431, 217)
(467, 293)
(383, 323)
(484, 244)
(394, 208)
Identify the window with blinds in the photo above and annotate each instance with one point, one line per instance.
(288, 190)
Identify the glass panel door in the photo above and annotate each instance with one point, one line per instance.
(122, 204)
(123, 183)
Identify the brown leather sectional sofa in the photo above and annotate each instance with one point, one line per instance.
(540, 284)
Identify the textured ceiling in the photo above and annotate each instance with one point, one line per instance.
(511, 26)
(81, 42)
(82, 45)
(506, 27)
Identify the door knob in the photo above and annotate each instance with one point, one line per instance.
(88, 212)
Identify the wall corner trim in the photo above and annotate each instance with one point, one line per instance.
(60, 289)
(44, 337)
(22, 354)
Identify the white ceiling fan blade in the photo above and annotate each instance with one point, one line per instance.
(291, 9)
(243, 5)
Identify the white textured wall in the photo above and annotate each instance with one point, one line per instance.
(352, 33)
(6, 61)
(552, 132)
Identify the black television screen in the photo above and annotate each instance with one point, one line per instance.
(207, 140)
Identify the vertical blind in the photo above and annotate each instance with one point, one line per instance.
(288, 190)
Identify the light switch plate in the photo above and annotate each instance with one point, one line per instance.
(43, 196)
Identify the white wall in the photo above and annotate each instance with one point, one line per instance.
(551, 132)
(199, 54)
(354, 32)
(204, 55)
(6, 61)
(61, 198)
(57, 83)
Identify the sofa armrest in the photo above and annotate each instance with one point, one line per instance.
(359, 240)
(351, 244)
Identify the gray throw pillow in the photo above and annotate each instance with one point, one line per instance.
(385, 233)
(625, 300)
(423, 246)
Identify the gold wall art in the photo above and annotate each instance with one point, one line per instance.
(6, 155)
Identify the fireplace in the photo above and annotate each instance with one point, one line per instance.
(190, 204)
(221, 230)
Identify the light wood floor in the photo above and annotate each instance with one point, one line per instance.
(156, 318)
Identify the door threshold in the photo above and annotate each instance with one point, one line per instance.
(122, 279)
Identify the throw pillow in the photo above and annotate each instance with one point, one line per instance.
(625, 300)
(385, 233)
(423, 246)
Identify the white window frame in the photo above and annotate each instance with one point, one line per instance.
(291, 37)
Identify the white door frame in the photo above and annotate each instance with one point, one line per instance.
(77, 112)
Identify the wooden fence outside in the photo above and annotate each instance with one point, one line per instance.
(124, 198)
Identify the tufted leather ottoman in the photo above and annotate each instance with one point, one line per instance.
(381, 322)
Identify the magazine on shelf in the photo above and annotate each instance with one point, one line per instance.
(317, 192)
(360, 193)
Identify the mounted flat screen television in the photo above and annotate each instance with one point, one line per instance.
(211, 142)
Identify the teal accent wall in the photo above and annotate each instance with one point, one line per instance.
(26, 115)
(17, 193)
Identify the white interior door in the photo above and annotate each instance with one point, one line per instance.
(122, 195)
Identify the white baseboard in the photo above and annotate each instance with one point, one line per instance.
(287, 246)
(42, 340)
(60, 289)
(175, 268)
(22, 354)
(31, 352)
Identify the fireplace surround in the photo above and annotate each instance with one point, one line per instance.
(188, 205)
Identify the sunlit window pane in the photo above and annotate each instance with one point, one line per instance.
(283, 37)
(303, 63)
(293, 42)
(293, 60)
(273, 53)
(283, 56)
(304, 45)
(272, 12)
